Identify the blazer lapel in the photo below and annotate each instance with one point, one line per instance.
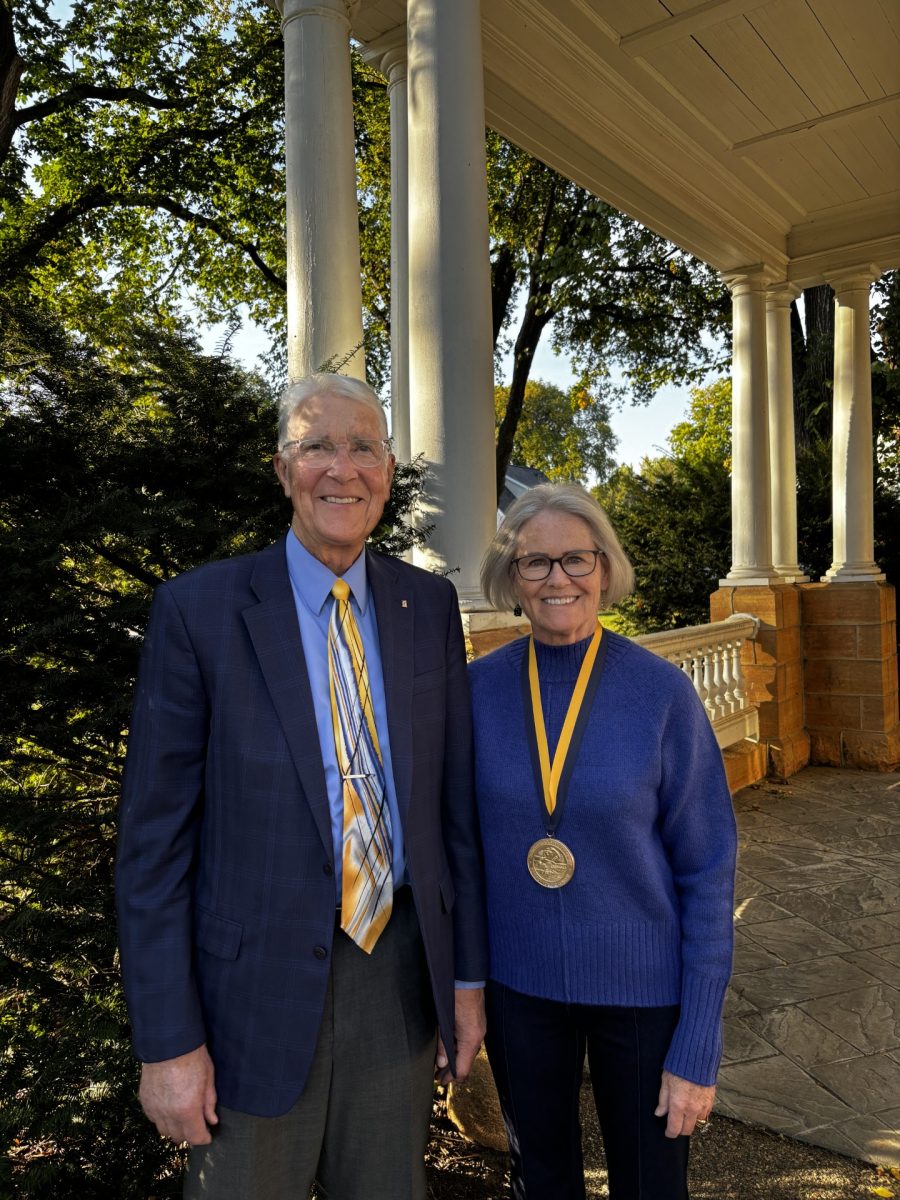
(275, 634)
(395, 614)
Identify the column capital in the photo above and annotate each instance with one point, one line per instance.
(387, 54)
(782, 294)
(336, 10)
(854, 279)
(752, 278)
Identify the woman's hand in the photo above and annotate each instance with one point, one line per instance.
(684, 1103)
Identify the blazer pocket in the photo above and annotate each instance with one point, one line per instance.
(448, 892)
(217, 935)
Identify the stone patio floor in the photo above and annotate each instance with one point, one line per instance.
(812, 1020)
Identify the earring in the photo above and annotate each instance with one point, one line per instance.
(517, 611)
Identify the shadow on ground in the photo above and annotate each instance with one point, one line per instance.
(729, 1161)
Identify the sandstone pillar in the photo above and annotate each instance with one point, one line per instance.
(849, 619)
(850, 674)
(773, 669)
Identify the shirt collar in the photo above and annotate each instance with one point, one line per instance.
(313, 581)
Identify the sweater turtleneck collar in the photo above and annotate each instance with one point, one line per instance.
(560, 664)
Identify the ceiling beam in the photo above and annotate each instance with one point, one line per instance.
(844, 114)
(685, 24)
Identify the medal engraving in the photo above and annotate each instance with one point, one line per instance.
(551, 863)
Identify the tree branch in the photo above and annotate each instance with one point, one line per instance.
(534, 321)
(98, 198)
(11, 65)
(503, 282)
(85, 91)
(183, 213)
(133, 569)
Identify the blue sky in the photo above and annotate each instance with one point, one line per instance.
(641, 429)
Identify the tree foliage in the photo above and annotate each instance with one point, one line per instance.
(143, 169)
(612, 293)
(673, 518)
(566, 435)
(142, 162)
(705, 437)
(115, 476)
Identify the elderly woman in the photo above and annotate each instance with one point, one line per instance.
(609, 844)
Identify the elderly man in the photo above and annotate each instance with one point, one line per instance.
(299, 875)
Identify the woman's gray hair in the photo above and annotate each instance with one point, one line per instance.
(497, 569)
(324, 383)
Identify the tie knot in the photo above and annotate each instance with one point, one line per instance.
(340, 590)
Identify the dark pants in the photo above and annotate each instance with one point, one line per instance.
(536, 1048)
(361, 1124)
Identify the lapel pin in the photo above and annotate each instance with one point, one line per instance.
(403, 604)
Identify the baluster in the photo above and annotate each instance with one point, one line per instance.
(739, 694)
(718, 688)
(707, 694)
(697, 673)
(729, 697)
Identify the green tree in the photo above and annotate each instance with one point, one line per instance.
(141, 152)
(143, 168)
(674, 517)
(886, 382)
(610, 291)
(566, 435)
(705, 437)
(114, 478)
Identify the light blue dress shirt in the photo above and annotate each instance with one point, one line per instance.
(311, 582)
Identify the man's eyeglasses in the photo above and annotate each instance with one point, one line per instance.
(575, 563)
(321, 452)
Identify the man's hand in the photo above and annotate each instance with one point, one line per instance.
(179, 1096)
(469, 1027)
(684, 1102)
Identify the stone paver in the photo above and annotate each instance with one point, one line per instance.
(812, 1021)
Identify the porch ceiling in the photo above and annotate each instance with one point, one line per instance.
(746, 131)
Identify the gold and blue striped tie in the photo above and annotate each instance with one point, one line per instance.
(367, 887)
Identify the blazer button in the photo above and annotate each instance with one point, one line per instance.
(320, 952)
(328, 869)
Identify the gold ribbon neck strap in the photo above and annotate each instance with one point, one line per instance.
(551, 773)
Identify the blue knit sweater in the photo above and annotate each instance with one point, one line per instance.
(647, 918)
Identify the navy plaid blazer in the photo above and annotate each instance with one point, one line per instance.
(225, 872)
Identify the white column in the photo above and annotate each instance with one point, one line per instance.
(852, 484)
(388, 54)
(324, 296)
(450, 361)
(751, 527)
(782, 444)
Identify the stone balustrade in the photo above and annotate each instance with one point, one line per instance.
(711, 656)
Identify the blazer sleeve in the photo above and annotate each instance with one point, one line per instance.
(159, 834)
(462, 838)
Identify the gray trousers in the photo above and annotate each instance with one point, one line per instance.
(360, 1126)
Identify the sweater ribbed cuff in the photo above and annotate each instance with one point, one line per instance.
(696, 1049)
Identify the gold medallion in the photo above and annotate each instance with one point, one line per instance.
(551, 863)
